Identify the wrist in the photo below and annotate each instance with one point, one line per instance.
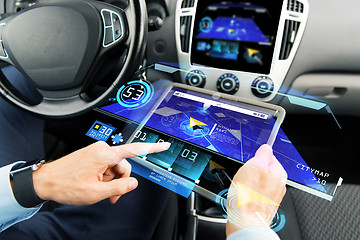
(40, 183)
(23, 186)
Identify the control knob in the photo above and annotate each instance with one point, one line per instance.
(196, 78)
(228, 83)
(262, 87)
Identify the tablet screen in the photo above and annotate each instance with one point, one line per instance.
(230, 128)
(211, 137)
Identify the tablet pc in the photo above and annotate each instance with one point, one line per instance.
(211, 135)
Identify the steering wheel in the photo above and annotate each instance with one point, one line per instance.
(76, 53)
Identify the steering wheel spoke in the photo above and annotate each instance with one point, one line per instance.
(4, 56)
(64, 47)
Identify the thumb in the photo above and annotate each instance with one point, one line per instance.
(264, 151)
(263, 157)
(117, 187)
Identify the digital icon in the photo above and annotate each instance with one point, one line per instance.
(169, 120)
(135, 94)
(231, 32)
(225, 198)
(169, 116)
(234, 47)
(112, 100)
(206, 106)
(196, 124)
(216, 46)
(100, 131)
(220, 115)
(215, 173)
(221, 200)
(253, 56)
(213, 165)
(117, 138)
(194, 128)
(252, 52)
(246, 195)
(206, 24)
(204, 110)
(278, 221)
(201, 46)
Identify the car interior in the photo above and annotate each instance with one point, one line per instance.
(300, 55)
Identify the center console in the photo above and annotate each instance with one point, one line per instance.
(243, 48)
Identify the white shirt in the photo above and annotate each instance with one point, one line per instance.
(11, 211)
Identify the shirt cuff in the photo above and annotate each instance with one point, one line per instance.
(254, 234)
(11, 211)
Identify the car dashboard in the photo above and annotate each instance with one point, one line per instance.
(240, 48)
(302, 55)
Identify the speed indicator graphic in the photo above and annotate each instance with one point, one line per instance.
(134, 94)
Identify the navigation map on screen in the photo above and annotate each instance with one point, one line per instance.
(227, 129)
(242, 34)
(235, 28)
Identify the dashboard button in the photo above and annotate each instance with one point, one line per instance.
(262, 87)
(228, 83)
(196, 78)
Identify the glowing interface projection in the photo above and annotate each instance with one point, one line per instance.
(134, 94)
(222, 199)
(100, 131)
(199, 126)
(209, 141)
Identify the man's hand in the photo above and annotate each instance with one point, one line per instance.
(256, 192)
(91, 174)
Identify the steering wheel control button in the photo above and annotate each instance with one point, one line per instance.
(262, 87)
(107, 18)
(228, 83)
(113, 27)
(196, 78)
(117, 26)
(108, 36)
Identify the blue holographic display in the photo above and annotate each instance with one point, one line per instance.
(100, 131)
(134, 94)
(186, 115)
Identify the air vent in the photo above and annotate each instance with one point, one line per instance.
(185, 28)
(295, 6)
(187, 3)
(290, 31)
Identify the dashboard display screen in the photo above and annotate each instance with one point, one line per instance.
(235, 35)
